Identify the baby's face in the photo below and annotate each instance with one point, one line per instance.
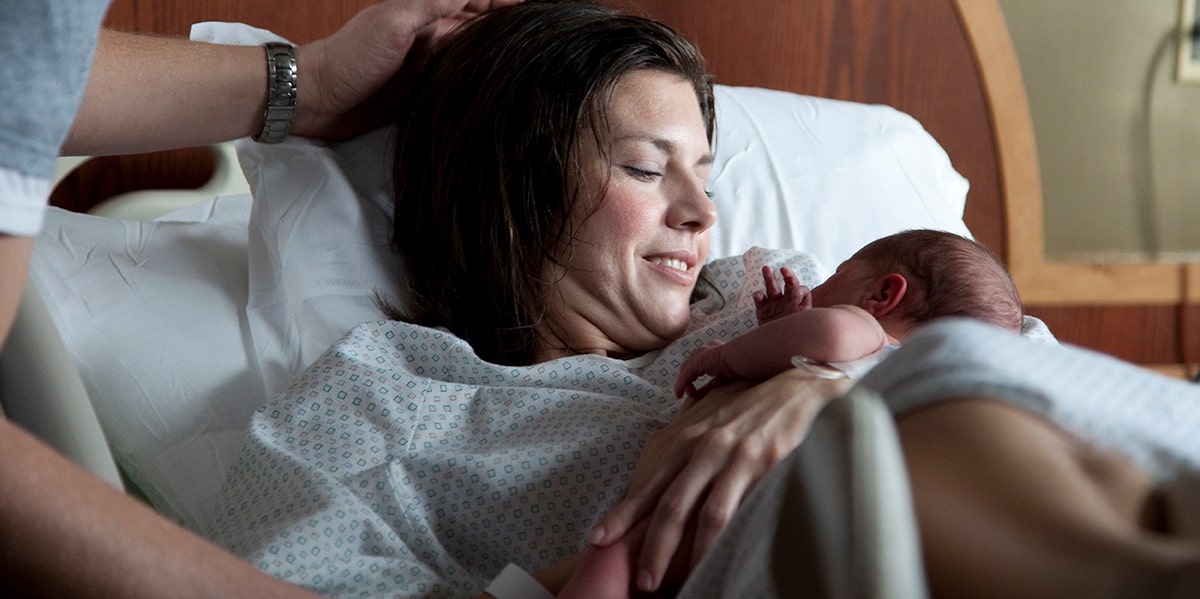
(850, 284)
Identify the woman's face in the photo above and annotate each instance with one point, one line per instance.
(624, 283)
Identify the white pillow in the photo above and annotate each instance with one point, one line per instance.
(824, 176)
(181, 329)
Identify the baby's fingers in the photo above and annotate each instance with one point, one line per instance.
(790, 280)
(685, 387)
(772, 286)
(699, 393)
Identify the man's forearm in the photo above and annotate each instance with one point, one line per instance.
(150, 93)
(14, 264)
(64, 533)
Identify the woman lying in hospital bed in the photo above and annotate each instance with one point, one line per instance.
(415, 460)
(445, 547)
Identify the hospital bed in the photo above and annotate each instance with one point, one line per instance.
(143, 345)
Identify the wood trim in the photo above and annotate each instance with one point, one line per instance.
(1041, 281)
(1173, 370)
(1012, 124)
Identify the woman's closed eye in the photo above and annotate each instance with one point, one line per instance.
(642, 174)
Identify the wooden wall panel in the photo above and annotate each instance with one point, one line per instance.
(107, 176)
(297, 21)
(1164, 337)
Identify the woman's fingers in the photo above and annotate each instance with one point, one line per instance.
(730, 442)
(698, 469)
(678, 507)
(666, 454)
(656, 469)
(720, 505)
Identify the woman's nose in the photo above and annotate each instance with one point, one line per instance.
(693, 209)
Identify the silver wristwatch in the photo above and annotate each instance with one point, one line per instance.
(281, 93)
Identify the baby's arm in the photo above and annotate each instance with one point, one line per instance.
(836, 334)
(607, 572)
(774, 302)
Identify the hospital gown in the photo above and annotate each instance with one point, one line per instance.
(401, 464)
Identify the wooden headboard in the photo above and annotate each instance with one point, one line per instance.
(948, 63)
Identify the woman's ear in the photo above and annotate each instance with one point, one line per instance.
(886, 293)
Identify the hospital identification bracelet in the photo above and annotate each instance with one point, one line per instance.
(515, 583)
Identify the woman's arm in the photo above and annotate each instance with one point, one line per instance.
(700, 467)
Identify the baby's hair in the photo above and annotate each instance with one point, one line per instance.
(959, 276)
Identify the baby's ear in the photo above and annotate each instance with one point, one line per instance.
(886, 294)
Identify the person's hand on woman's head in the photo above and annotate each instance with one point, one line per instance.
(700, 467)
(350, 78)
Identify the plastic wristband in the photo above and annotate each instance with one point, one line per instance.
(821, 370)
(515, 583)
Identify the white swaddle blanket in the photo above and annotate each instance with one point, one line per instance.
(1148, 418)
(1151, 419)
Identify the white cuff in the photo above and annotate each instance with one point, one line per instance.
(22, 202)
(515, 583)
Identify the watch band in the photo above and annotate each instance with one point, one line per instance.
(281, 93)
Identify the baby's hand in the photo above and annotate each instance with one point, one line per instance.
(708, 360)
(775, 302)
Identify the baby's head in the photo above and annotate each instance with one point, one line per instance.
(910, 278)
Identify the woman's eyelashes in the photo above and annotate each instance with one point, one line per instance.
(650, 175)
(642, 174)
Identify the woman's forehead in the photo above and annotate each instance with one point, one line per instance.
(659, 109)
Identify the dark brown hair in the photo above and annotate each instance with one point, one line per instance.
(958, 276)
(488, 152)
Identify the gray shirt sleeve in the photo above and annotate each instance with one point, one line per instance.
(46, 51)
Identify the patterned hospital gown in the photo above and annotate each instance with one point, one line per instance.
(400, 464)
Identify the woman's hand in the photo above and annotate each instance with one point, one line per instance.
(349, 78)
(700, 467)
